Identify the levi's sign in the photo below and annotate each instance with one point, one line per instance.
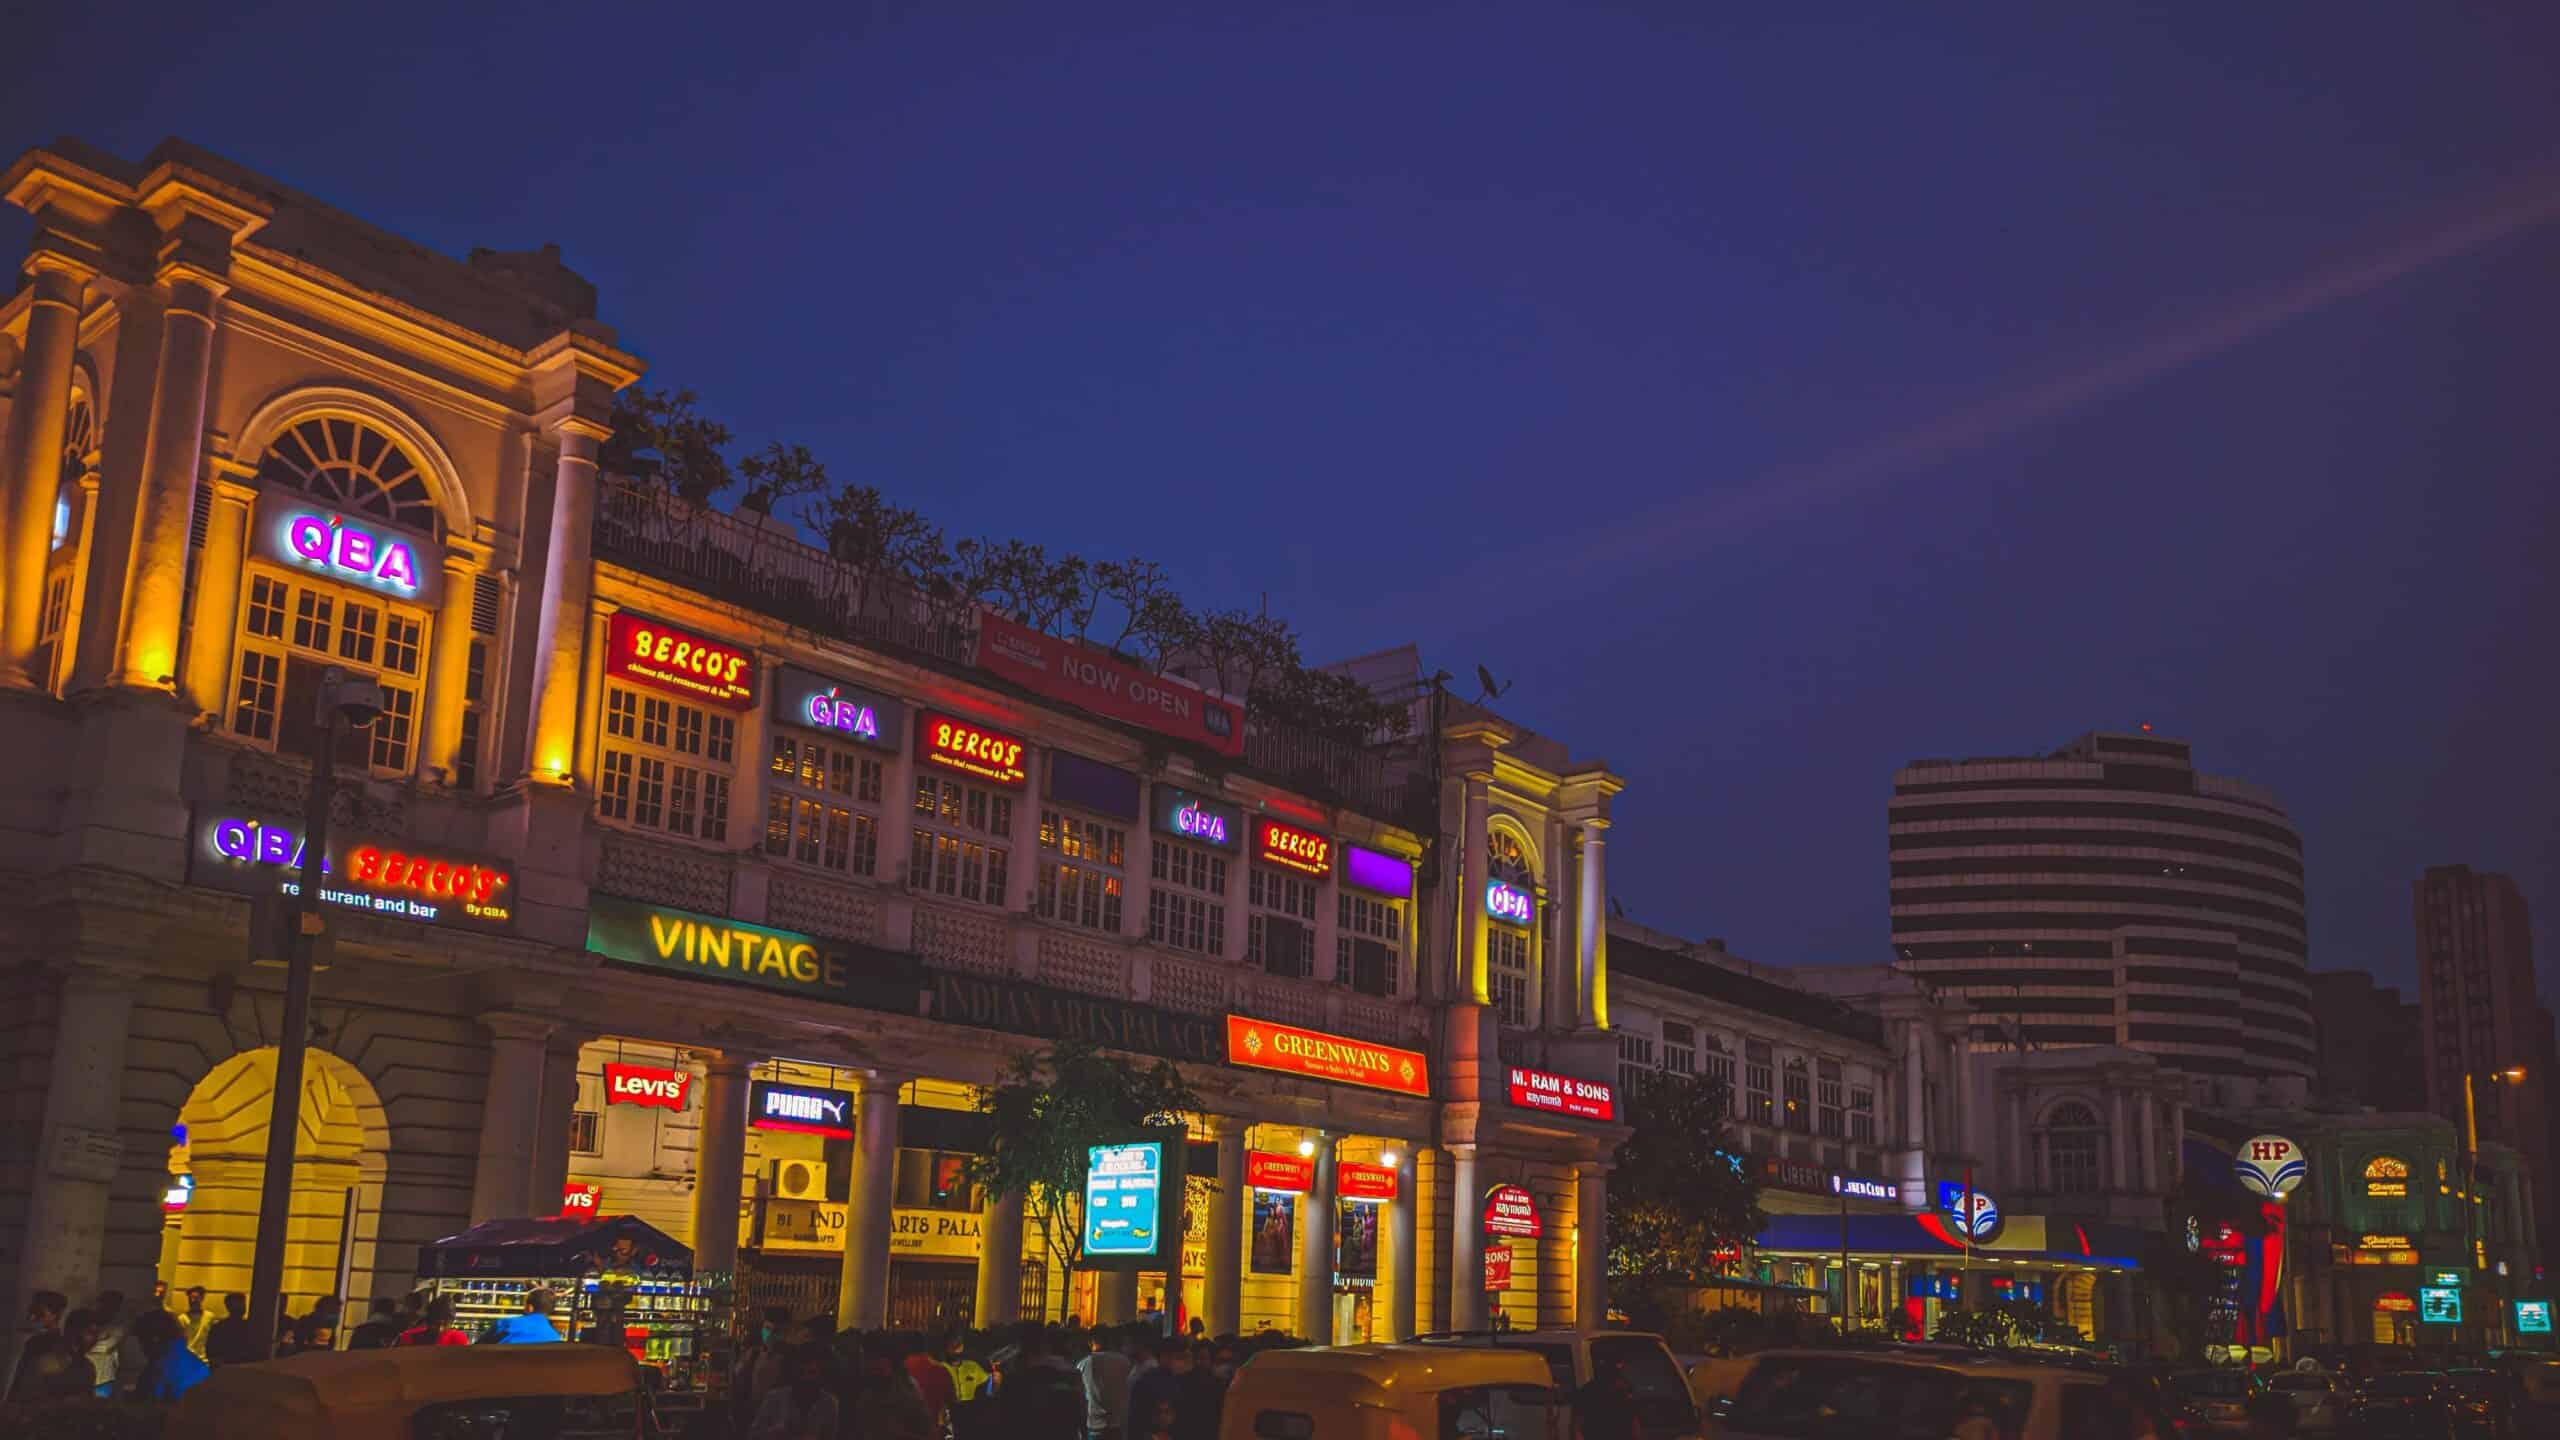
(1268, 1045)
(662, 657)
(1562, 1095)
(644, 1085)
(1096, 681)
(327, 543)
(252, 855)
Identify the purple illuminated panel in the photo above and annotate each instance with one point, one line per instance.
(1379, 873)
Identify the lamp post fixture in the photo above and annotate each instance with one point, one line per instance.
(357, 701)
(2511, 1075)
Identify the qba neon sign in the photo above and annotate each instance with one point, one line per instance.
(1505, 901)
(330, 544)
(831, 711)
(1189, 819)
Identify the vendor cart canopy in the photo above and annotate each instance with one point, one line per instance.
(555, 1248)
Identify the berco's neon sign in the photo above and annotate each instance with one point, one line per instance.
(1306, 853)
(972, 749)
(330, 544)
(666, 658)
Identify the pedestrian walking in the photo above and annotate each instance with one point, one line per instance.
(230, 1340)
(435, 1327)
(169, 1368)
(381, 1328)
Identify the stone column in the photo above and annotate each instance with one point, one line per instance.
(1560, 1004)
(77, 1149)
(999, 1262)
(1474, 986)
(1315, 1251)
(32, 465)
(1592, 984)
(551, 1134)
(217, 607)
(2177, 1143)
(1961, 1083)
(1139, 867)
(560, 629)
(2119, 1170)
(2022, 1174)
(1403, 1261)
(155, 593)
(720, 1165)
(1591, 1245)
(1115, 1297)
(1222, 1289)
(448, 668)
(501, 1186)
(1466, 1242)
(2150, 1145)
(1915, 1090)
(862, 1302)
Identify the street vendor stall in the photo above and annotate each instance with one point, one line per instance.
(615, 1279)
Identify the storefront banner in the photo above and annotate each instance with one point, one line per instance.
(301, 536)
(993, 1002)
(2395, 1302)
(1275, 1232)
(1563, 1095)
(1268, 1045)
(1865, 1187)
(811, 701)
(1124, 1200)
(581, 1201)
(1364, 1184)
(1509, 903)
(818, 1225)
(1101, 684)
(972, 749)
(2439, 1306)
(1355, 1244)
(1497, 1268)
(1180, 813)
(661, 656)
(641, 936)
(1286, 1174)
(249, 854)
(1510, 1210)
(2533, 1317)
(800, 1109)
(1291, 848)
(1377, 872)
(645, 1085)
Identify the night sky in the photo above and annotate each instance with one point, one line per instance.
(1769, 403)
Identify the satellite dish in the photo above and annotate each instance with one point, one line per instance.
(1491, 690)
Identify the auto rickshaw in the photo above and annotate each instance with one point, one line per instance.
(1395, 1392)
(526, 1392)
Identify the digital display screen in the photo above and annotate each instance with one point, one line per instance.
(2439, 1306)
(1123, 1199)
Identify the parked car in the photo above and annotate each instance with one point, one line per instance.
(1857, 1394)
(1380, 1392)
(2402, 1403)
(2316, 1400)
(2215, 1401)
(2484, 1401)
(1665, 1410)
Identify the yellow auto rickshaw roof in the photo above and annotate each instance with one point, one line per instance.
(358, 1393)
(1372, 1373)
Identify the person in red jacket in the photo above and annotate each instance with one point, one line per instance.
(436, 1328)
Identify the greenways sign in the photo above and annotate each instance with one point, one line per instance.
(640, 936)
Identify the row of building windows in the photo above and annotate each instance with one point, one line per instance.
(1828, 1103)
(2083, 808)
(2145, 867)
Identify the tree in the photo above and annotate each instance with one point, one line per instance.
(887, 546)
(1676, 1194)
(1336, 707)
(1048, 1110)
(1152, 616)
(684, 450)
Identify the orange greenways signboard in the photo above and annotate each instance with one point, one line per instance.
(1269, 1045)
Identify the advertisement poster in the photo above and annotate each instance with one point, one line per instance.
(1123, 1194)
(1355, 1243)
(1275, 1232)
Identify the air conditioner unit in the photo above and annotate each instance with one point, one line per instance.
(800, 1179)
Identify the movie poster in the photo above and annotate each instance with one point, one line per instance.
(1275, 1232)
(1355, 1243)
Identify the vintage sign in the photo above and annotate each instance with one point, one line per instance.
(663, 657)
(970, 748)
(2269, 1165)
(1509, 903)
(1102, 684)
(645, 1085)
(1124, 1200)
(642, 936)
(808, 700)
(800, 1109)
(1562, 1095)
(1284, 1174)
(581, 1200)
(1292, 848)
(1367, 1184)
(1377, 872)
(994, 1002)
(1180, 813)
(256, 855)
(338, 547)
(1269, 1045)
(1497, 1268)
(1510, 1210)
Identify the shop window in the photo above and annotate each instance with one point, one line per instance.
(56, 616)
(350, 466)
(1368, 945)
(1826, 1098)
(1679, 1048)
(1187, 904)
(586, 1132)
(1511, 965)
(1081, 870)
(1798, 1115)
(1280, 921)
(1759, 1073)
(960, 847)
(291, 633)
(666, 765)
(1635, 1058)
(2073, 1141)
(821, 806)
(1862, 1113)
(933, 1180)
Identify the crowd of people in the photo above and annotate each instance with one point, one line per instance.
(800, 1380)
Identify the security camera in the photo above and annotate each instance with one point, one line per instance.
(355, 699)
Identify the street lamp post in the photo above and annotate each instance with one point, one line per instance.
(2512, 1075)
(358, 702)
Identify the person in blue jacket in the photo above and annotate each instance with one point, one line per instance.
(532, 1327)
(169, 1368)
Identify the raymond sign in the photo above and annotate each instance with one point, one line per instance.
(580, 1201)
(1094, 681)
(645, 1085)
(1497, 1268)
(662, 657)
(1510, 1210)
(1562, 1095)
(1268, 1045)
(1286, 1174)
(1368, 1183)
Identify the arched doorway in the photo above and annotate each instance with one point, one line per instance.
(2075, 1302)
(342, 1143)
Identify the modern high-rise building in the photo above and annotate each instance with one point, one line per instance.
(2371, 1050)
(2108, 893)
(2484, 1014)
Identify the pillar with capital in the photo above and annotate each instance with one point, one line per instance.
(560, 631)
(155, 587)
(999, 1261)
(1591, 1245)
(720, 1164)
(1222, 1289)
(551, 1123)
(1315, 1250)
(1474, 986)
(502, 1184)
(32, 462)
(1592, 984)
(862, 1301)
(77, 1147)
(1466, 1242)
(218, 567)
(1404, 1267)
(448, 669)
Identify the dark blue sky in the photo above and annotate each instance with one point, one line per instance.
(1771, 402)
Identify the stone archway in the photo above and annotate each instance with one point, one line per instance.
(344, 1138)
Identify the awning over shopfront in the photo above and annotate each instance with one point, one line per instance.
(2035, 1239)
(547, 1249)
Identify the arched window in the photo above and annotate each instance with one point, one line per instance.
(2386, 1177)
(351, 466)
(1511, 968)
(79, 437)
(2073, 1141)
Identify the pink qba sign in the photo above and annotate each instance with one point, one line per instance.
(333, 545)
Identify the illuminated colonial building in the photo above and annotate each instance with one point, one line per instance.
(686, 873)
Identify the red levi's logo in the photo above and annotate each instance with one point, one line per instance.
(644, 1085)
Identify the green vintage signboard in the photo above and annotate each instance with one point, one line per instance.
(642, 936)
